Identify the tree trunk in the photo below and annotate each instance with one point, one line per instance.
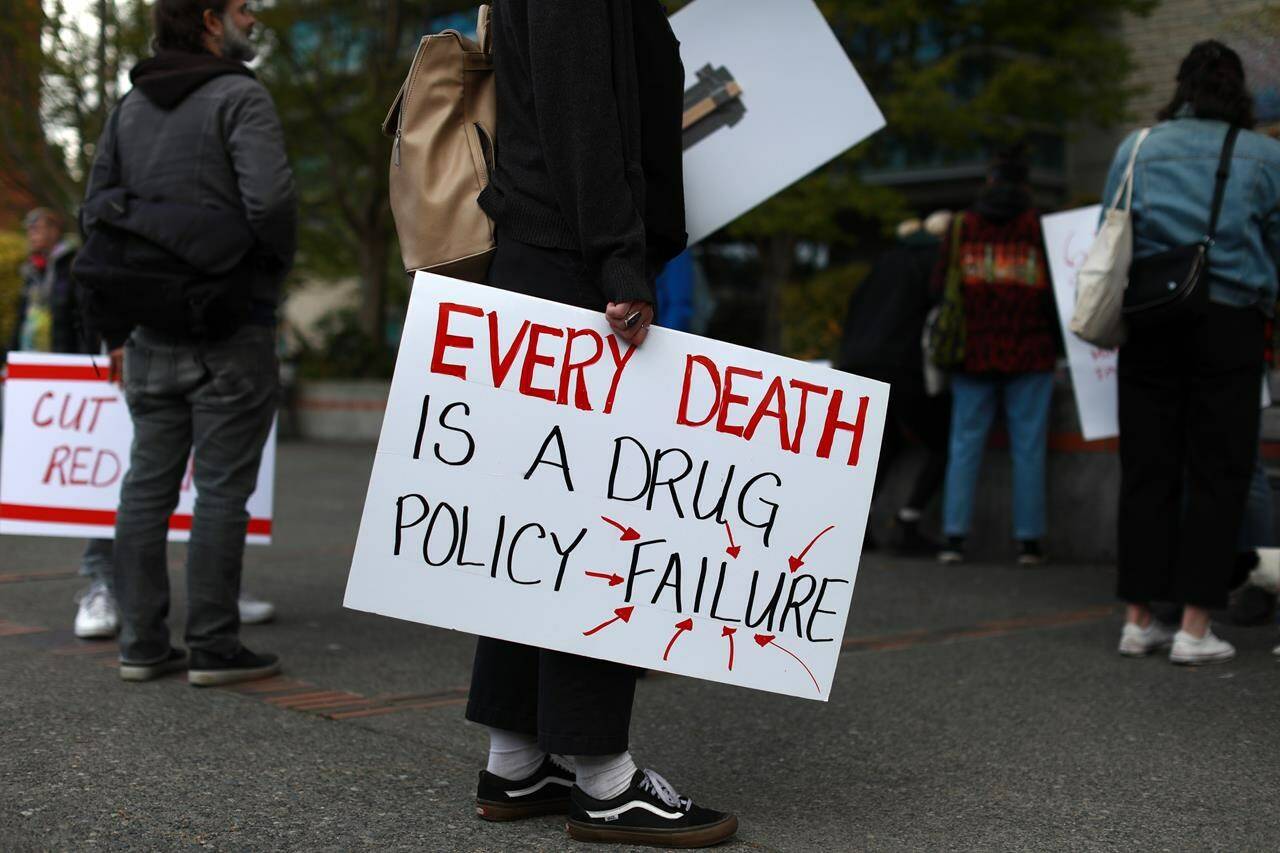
(374, 245)
(777, 260)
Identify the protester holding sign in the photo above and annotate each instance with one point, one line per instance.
(49, 321)
(996, 258)
(1189, 382)
(587, 200)
(190, 218)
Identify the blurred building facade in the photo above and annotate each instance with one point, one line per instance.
(1069, 165)
(1158, 44)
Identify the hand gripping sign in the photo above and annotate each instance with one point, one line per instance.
(67, 435)
(687, 506)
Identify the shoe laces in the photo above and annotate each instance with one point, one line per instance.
(563, 763)
(664, 790)
(97, 601)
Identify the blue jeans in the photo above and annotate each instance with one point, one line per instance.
(1026, 399)
(1257, 528)
(215, 401)
(96, 564)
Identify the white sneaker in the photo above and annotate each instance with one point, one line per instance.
(1188, 649)
(255, 611)
(97, 618)
(1138, 642)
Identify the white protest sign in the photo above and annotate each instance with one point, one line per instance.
(770, 96)
(67, 435)
(1067, 238)
(687, 506)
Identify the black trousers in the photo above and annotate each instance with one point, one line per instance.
(1189, 398)
(915, 416)
(574, 705)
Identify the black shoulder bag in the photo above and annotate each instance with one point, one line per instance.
(1169, 285)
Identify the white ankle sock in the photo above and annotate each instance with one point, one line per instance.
(604, 776)
(513, 755)
(908, 514)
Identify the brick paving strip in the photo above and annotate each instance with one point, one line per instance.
(23, 577)
(983, 630)
(293, 694)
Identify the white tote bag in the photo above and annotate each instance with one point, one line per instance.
(1100, 285)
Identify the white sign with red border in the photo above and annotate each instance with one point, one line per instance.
(66, 441)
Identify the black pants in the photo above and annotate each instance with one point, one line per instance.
(915, 416)
(575, 705)
(1189, 398)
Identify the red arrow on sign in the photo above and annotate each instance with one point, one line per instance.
(623, 613)
(613, 579)
(681, 627)
(733, 550)
(768, 639)
(726, 631)
(629, 534)
(797, 562)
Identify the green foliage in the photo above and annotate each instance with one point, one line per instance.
(345, 351)
(813, 310)
(958, 75)
(333, 68)
(13, 248)
(63, 69)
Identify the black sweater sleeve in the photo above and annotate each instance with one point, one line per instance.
(571, 66)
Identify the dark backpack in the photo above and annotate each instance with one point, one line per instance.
(180, 269)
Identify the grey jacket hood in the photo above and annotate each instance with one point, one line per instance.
(167, 78)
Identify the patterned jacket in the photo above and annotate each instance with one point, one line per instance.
(1010, 321)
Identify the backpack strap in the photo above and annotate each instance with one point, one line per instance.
(1220, 181)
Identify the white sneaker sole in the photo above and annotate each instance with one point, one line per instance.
(1141, 651)
(1194, 660)
(98, 632)
(219, 677)
(152, 671)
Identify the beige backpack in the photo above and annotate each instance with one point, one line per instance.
(443, 123)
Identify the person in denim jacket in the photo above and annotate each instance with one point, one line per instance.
(1189, 388)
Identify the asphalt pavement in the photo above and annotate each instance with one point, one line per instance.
(976, 707)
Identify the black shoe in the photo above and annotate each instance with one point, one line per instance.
(1030, 553)
(953, 551)
(210, 670)
(1251, 605)
(545, 792)
(175, 661)
(908, 541)
(649, 812)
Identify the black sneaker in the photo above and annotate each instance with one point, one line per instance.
(210, 670)
(1030, 553)
(953, 551)
(1251, 605)
(649, 812)
(545, 792)
(908, 541)
(175, 661)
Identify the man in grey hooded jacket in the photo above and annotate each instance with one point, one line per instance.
(197, 130)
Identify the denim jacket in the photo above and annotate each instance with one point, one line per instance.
(1173, 190)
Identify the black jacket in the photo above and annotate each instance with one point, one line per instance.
(887, 313)
(202, 131)
(589, 158)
